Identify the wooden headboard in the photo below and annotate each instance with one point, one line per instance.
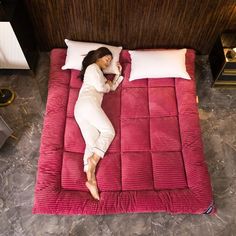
(132, 23)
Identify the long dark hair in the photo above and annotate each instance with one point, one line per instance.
(92, 57)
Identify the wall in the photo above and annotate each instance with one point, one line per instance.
(232, 21)
(132, 23)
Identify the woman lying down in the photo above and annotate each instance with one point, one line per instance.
(96, 128)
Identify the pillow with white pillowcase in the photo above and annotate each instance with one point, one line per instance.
(159, 63)
(76, 51)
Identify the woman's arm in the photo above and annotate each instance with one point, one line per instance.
(109, 82)
(117, 79)
(116, 82)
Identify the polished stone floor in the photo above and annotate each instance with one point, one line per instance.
(19, 157)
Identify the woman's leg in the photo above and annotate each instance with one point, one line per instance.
(98, 134)
(101, 122)
(90, 135)
(103, 132)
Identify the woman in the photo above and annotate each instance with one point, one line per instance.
(95, 126)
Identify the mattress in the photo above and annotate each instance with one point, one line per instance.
(155, 162)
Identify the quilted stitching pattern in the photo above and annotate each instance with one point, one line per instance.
(155, 163)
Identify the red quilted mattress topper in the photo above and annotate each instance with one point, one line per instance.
(155, 162)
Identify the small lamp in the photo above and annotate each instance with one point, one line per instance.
(6, 96)
(231, 54)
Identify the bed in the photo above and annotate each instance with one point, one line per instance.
(154, 164)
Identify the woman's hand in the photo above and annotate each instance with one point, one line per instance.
(109, 82)
(119, 67)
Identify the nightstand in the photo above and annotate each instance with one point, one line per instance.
(222, 62)
(18, 48)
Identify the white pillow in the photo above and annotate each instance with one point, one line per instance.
(158, 64)
(76, 52)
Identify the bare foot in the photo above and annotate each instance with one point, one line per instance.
(91, 170)
(92, 162)
(92, 186)
(90, 175)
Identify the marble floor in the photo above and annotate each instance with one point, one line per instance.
(19, 157)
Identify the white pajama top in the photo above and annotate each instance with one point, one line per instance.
(94, 84)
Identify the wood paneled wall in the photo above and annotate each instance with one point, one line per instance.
(232, 21)
(132, 23)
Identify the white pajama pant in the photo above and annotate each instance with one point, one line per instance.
(95, 127)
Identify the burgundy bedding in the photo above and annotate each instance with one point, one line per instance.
(154, 164)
